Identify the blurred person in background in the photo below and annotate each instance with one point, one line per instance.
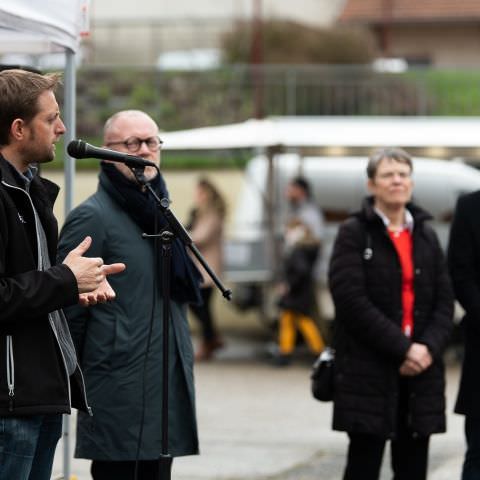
(464, 265)
(206, 226)
(393, 318)
(297, 298)
(302, 206)
(121, 348)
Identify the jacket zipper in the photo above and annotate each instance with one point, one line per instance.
(51, 325)
(10, 373)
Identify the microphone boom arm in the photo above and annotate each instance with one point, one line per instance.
(178, 229)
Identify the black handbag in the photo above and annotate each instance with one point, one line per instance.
(322, 375)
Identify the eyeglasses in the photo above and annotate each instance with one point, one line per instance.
(133, 144)
(390, 175)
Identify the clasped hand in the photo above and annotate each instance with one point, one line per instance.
(417, 360)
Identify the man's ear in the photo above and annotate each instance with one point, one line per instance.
(17, 129)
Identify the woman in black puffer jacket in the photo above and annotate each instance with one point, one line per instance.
(394, 308)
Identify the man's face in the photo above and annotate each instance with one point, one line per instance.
(392, 185)
(129, 127)
(294, 194)
(43, 131)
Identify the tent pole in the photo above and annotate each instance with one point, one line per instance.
(69, 175)
(69, 116)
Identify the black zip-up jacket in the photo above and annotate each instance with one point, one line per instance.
(366, 286)
(33, 376)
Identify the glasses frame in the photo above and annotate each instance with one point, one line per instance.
(140, 142)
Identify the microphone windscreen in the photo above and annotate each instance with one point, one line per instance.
(76, 148)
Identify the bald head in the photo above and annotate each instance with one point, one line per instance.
(128, 125)
(126, 120)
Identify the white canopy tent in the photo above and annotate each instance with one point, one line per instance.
(38, 27)
(430, 136)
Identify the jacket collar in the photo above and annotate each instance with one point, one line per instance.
(369, 214)
(10, 175)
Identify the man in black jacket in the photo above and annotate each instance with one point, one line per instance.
(464, 265)
(39, 376)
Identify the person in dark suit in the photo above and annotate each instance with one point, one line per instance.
(464, 266)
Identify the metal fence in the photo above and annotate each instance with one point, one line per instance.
(187, 99)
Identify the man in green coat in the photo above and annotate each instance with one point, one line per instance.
(120, 347)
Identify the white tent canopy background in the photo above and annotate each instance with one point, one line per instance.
(38, 26)
(435, 136)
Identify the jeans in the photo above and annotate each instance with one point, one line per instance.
(471, 465)
(27, 446)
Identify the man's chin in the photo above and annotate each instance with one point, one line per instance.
(47, 159)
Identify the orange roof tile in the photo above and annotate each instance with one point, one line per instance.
(372, 11)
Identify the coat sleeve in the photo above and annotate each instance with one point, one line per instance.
(440, 324)
(34, 294)
(359, 315)
(31, 294)
(463, 251)
(82, 221)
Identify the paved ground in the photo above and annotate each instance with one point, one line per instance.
(258, 422)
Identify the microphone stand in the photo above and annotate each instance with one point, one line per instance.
(166, 237)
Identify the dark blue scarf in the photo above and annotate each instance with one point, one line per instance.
(142, 208)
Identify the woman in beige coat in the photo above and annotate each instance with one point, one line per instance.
(206, 230)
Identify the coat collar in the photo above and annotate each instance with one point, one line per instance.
(44, 187)
(369, 214)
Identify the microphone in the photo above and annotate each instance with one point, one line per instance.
(81, 149)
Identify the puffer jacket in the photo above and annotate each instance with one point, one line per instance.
(366, 283)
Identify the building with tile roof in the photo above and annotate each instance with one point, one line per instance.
(443, 33)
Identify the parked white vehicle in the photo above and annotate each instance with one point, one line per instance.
(338, 186)
(338, 181)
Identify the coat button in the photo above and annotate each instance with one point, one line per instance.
(418, 271)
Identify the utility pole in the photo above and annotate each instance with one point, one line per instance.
(385, 28)
(256, 56)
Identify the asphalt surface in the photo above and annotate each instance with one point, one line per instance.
(259, 422)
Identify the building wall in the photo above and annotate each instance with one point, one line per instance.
(136, 32)
(445, 46)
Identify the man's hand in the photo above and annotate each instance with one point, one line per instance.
(104, 293)
(91, 274)
(417, 360)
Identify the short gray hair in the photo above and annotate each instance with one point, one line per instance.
(393, 153)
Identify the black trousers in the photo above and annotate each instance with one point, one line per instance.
(365, 454)
(203, 313)
(147, 470)
(409, 452)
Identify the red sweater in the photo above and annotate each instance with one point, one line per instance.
(403, 244)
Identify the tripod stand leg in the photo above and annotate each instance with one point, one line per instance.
(165, 463)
